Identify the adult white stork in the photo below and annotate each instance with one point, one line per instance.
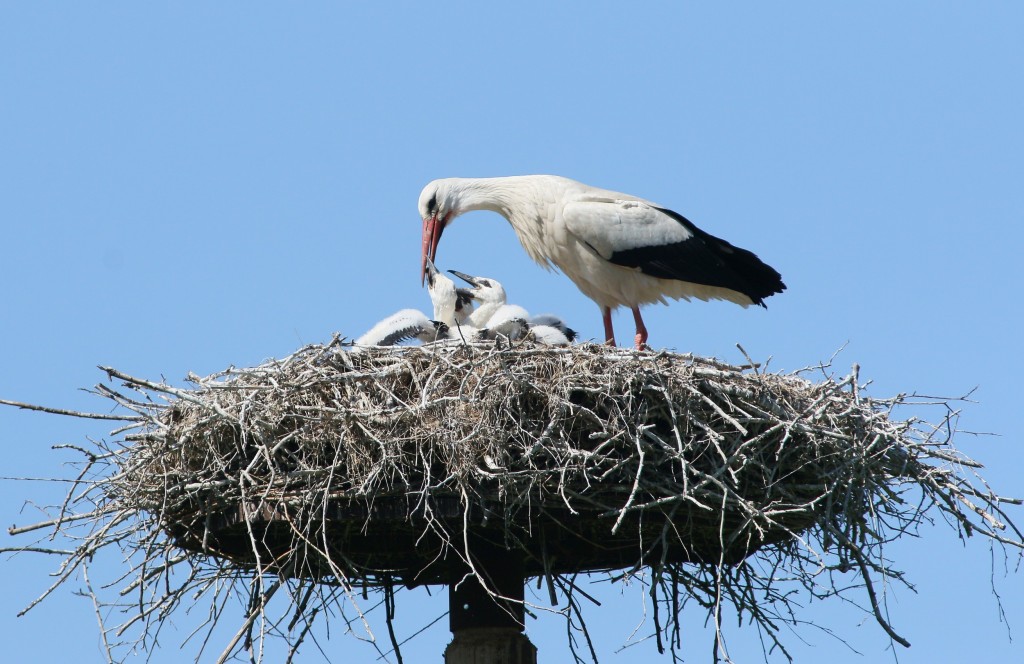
(618, 249)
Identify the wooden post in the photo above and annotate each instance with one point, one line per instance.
(487, 629)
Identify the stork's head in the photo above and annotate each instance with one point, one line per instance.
(484, 289)
(439, 204)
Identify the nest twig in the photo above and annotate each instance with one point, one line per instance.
(333, 473)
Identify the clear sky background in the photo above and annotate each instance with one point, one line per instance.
(185, 188)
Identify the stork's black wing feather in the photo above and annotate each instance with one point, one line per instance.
(400, 335)
(704, 259)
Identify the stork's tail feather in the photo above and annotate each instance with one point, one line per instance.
(760, 279)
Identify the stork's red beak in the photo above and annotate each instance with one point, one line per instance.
(432, 229)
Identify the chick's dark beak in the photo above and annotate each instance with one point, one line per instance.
(431, 271)
(468, 278)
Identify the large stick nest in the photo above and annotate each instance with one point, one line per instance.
(587, 459)
(371, 469)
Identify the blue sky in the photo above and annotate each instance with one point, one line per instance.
(192, 186)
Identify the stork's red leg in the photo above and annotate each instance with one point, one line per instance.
(609, 334)
(641, 330)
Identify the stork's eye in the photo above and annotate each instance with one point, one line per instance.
(485, 283)
(432, 205)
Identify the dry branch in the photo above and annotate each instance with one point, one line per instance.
(331, 473)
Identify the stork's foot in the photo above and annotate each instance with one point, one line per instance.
(641, 342)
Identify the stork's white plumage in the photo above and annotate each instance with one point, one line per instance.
(490, 297)
(618, 249)
(403, 325)
(443, 295)
(548, 335)
(510, 320)
(551, 320)
(452, 306)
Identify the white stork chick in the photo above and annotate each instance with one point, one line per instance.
(488, 294)
(404, 325)
(464, 305)
(443, 294)
(551, 320)
(619, 250)
(510, 320)
(452, 305)
(548, 335)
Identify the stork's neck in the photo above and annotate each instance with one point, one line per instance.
(499, 195)
(483, 313)
(522, 199)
